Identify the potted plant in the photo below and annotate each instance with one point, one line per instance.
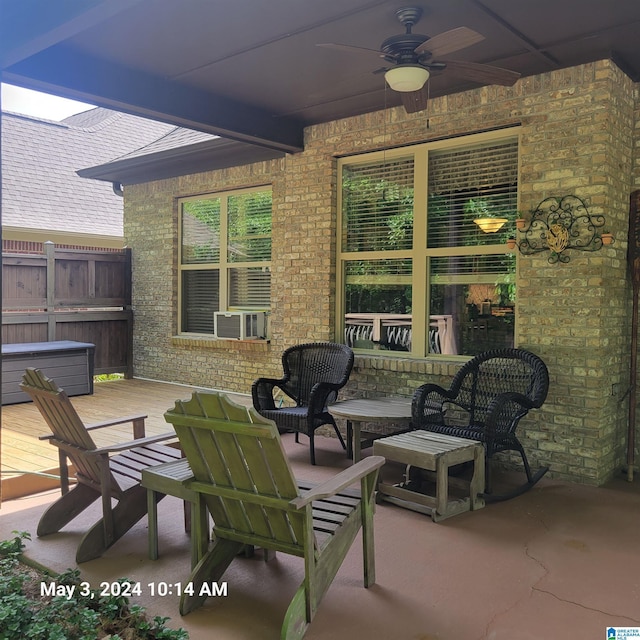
(607, 237)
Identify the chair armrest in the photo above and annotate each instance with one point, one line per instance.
(427, 404)
(110, 423)
(262, 392)
(320, 396)
(132, 444)
(340, 481)
(137, 420)
(505, 411)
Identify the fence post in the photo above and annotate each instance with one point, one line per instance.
(50, 253)
(128, 278)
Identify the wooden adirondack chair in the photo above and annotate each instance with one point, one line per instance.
(242, 474)
(98, 475)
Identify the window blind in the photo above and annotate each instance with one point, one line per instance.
(249, 220)
(200, 298)
(470, 269)
(250, 287)
(200, 231)
(377, 206)
(469, 184)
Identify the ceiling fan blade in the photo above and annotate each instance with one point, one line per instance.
(351, 48)
(445, 43)
(481, 73)
(414, 100)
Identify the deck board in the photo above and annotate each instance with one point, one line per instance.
(23, 453)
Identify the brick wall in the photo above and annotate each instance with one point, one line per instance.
(576, 131)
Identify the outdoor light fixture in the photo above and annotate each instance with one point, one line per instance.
(406, 77)
(491, 225)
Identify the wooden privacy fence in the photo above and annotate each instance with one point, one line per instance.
(71, 295)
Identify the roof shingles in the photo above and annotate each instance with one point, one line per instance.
(40, 187)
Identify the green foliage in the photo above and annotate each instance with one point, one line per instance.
(201, 231)
(249, 228)
(479, 207)
(15, 545)
(506, 290)
(378, 207)
(378, 216)
(107, 377)
(26, 613)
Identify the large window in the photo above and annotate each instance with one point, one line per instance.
(225, 256)
(424, 266)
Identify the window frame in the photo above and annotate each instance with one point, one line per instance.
(419, 253)
(225, 265)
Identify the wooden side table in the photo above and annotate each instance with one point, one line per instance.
(433, 452)
(362, 410)
(169, 478)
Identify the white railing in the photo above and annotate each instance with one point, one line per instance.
(394, 330)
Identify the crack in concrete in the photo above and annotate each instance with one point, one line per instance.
(636, 622)
(487, 634)
(547, 571)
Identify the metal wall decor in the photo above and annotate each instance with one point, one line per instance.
(558, 224)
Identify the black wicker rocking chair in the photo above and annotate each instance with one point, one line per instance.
(313, 375)
(486, 400)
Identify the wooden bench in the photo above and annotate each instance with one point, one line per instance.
(438, 453)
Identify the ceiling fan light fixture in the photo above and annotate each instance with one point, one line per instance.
(407, 77)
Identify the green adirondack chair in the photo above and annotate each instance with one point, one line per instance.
(242, 474)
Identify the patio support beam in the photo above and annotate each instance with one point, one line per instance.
(64, 71)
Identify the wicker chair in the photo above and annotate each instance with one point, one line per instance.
(487, 399)
(313, 375)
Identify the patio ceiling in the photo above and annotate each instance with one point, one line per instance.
(251, 70)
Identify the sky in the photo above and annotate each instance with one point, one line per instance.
(40, 105)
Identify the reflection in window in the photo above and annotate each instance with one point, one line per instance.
(378, 304)
(423, 239)
(478, 294)
(471, 206)
(225, 256)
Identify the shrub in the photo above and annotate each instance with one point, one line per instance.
(85, 615)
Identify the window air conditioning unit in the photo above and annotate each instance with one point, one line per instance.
(239, 325)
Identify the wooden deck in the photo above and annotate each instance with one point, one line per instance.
(27, 462)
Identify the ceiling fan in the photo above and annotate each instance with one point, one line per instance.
(415, 56)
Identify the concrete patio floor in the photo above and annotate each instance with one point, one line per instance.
(560, 562)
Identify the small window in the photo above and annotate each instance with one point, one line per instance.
(225, 256)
